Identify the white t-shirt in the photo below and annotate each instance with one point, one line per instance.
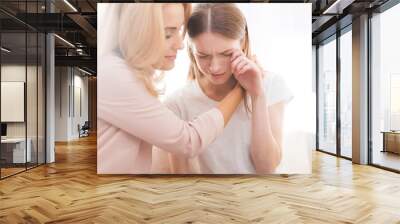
(230, 152)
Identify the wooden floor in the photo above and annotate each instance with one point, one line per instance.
(70, 191)
(10, 171)
(5, 172)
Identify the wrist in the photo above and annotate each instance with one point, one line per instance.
(258, 93)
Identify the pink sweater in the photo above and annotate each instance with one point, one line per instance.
(131, 121)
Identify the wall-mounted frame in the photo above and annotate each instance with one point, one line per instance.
(12, 101)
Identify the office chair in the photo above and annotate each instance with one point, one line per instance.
(84, 130)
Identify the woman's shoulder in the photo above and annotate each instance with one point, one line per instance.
(273, 79)
(270, 76)
(111, 61)
(112, 67)
(276, 88)
(116, 78)
(183, 96)
(185, 91)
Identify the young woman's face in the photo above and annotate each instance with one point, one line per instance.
(173, 16)
(212, 53)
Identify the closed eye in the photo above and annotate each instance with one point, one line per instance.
(203, 56)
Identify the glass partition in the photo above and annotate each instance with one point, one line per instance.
(22, 88)
(327, 96)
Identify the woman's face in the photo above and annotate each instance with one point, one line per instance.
(173, 16)
(212, 53)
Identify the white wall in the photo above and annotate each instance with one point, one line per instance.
(61, 103)
(68, 82)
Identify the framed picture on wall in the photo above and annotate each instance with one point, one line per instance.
(12, 101)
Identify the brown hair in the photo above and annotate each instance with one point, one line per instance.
(222, 18)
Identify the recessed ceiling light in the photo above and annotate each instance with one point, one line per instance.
(5, 50)
(338, 6)
(64, 40)
(70, 5)
(84, 71)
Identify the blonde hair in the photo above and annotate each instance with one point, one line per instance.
(221, 18)
(141, 36)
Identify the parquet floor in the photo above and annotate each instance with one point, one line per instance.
(70, 191)
(9, 171)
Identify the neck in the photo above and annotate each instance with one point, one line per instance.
(216, 92)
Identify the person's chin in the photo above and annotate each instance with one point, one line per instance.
(168, 66)
(219, 81)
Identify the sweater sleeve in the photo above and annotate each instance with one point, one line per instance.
(124, 102)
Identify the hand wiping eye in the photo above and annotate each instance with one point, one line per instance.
(247, 72)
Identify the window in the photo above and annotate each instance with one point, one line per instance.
(346, 94)
(327, 96)
(385, 88)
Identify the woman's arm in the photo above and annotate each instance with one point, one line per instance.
(228, 105)
(160, 163)
(124, 102)
(266, 135)
(266, 138)
(165, 162)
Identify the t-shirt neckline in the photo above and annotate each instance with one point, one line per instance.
(203, 95)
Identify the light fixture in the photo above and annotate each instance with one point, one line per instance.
(337, 7)
(70, 5)
(64, 40)
(84, 71)
(80, 51)
(5, 50)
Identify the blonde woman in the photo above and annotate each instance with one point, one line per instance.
(220, 57)
(139, 40)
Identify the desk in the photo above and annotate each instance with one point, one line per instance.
(15, 148)
(391, 141)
